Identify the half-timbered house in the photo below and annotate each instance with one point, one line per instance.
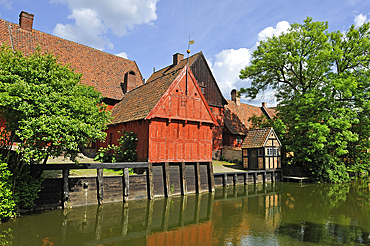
(261, 149)
(170, 116)
(209, 88)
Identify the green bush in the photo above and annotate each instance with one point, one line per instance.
(124, 152)
(7, 204)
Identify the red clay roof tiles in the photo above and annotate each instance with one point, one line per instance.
(256, 138)
(102, 70)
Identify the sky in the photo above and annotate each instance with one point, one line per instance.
(151, 31)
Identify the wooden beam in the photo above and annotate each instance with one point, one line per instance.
(198, 187)
(126, 184)
(119, 165)
(235, 179)
(211, 177)
(183, 179)
(100, 185)
(65, 188)
(150, 184)
(166, 180)
(224, 180)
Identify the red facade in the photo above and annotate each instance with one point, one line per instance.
(177, 129)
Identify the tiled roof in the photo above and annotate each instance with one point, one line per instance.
(102, 70)
(137, 103)
(170, 69)
(271, 112)
(256, 138)
(236, 117)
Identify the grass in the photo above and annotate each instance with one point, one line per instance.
(80, 173)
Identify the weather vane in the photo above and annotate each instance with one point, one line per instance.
(187, 65)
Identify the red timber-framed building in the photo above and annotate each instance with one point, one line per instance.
(209, 88)
(170, 116)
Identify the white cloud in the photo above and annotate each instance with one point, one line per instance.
(229, 62)
(116, 16)
(227, 67)
(360, 20)
(88, 28)
(6, 3)
(123, 55)
(268, 32)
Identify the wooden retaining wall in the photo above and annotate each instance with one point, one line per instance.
(160, 180)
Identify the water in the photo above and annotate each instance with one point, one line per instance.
(262, 214)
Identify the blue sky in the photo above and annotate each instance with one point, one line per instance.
(151, 31)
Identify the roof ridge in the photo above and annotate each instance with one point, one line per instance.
(35, 30)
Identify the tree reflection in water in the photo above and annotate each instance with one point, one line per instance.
(273, 214)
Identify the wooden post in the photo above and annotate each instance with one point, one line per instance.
(100, 184)
(183, 179)
(235, 179)
(65, 188)
(126, 184)
(150, 184)
(225, 180)
(211, 178)
(198, 187)
(166, 180)
(264, 177)
(245, 178)
(273, 176)
(255, 178)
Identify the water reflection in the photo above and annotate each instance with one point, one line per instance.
(262, 214)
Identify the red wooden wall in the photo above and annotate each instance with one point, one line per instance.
(179, 141)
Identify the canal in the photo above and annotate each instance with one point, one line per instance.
(261, 214)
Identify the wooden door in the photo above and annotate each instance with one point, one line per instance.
(253, 159)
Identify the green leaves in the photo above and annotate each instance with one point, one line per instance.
(44, 102)
(321, 81)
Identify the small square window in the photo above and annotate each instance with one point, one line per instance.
(260, 152)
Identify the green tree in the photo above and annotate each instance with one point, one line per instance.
(320, 79)
(43, 103)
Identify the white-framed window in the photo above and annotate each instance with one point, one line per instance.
(272, 151)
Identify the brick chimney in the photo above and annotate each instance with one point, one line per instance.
(129, 82)
(177, 58)
(235, 97)
(26, 21)
(264, 104)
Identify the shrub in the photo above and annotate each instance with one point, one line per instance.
(7, 204)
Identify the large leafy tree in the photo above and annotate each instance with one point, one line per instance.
(46, 106)
(321, 81)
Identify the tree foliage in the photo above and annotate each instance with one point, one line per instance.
(44, 103)
(321, 81)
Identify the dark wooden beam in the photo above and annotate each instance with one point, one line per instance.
(166, 179)
(150, 184)
(100, 185)
(65, 188)
(126, 184)
(183, 179)
(198, 187)
(211, 177)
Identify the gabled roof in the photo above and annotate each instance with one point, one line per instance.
(192, 62)
(137, 103)
(171, 69)
(102, 70)
(257, 138)
(237, 116)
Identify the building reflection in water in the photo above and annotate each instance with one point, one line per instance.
(272, 213)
